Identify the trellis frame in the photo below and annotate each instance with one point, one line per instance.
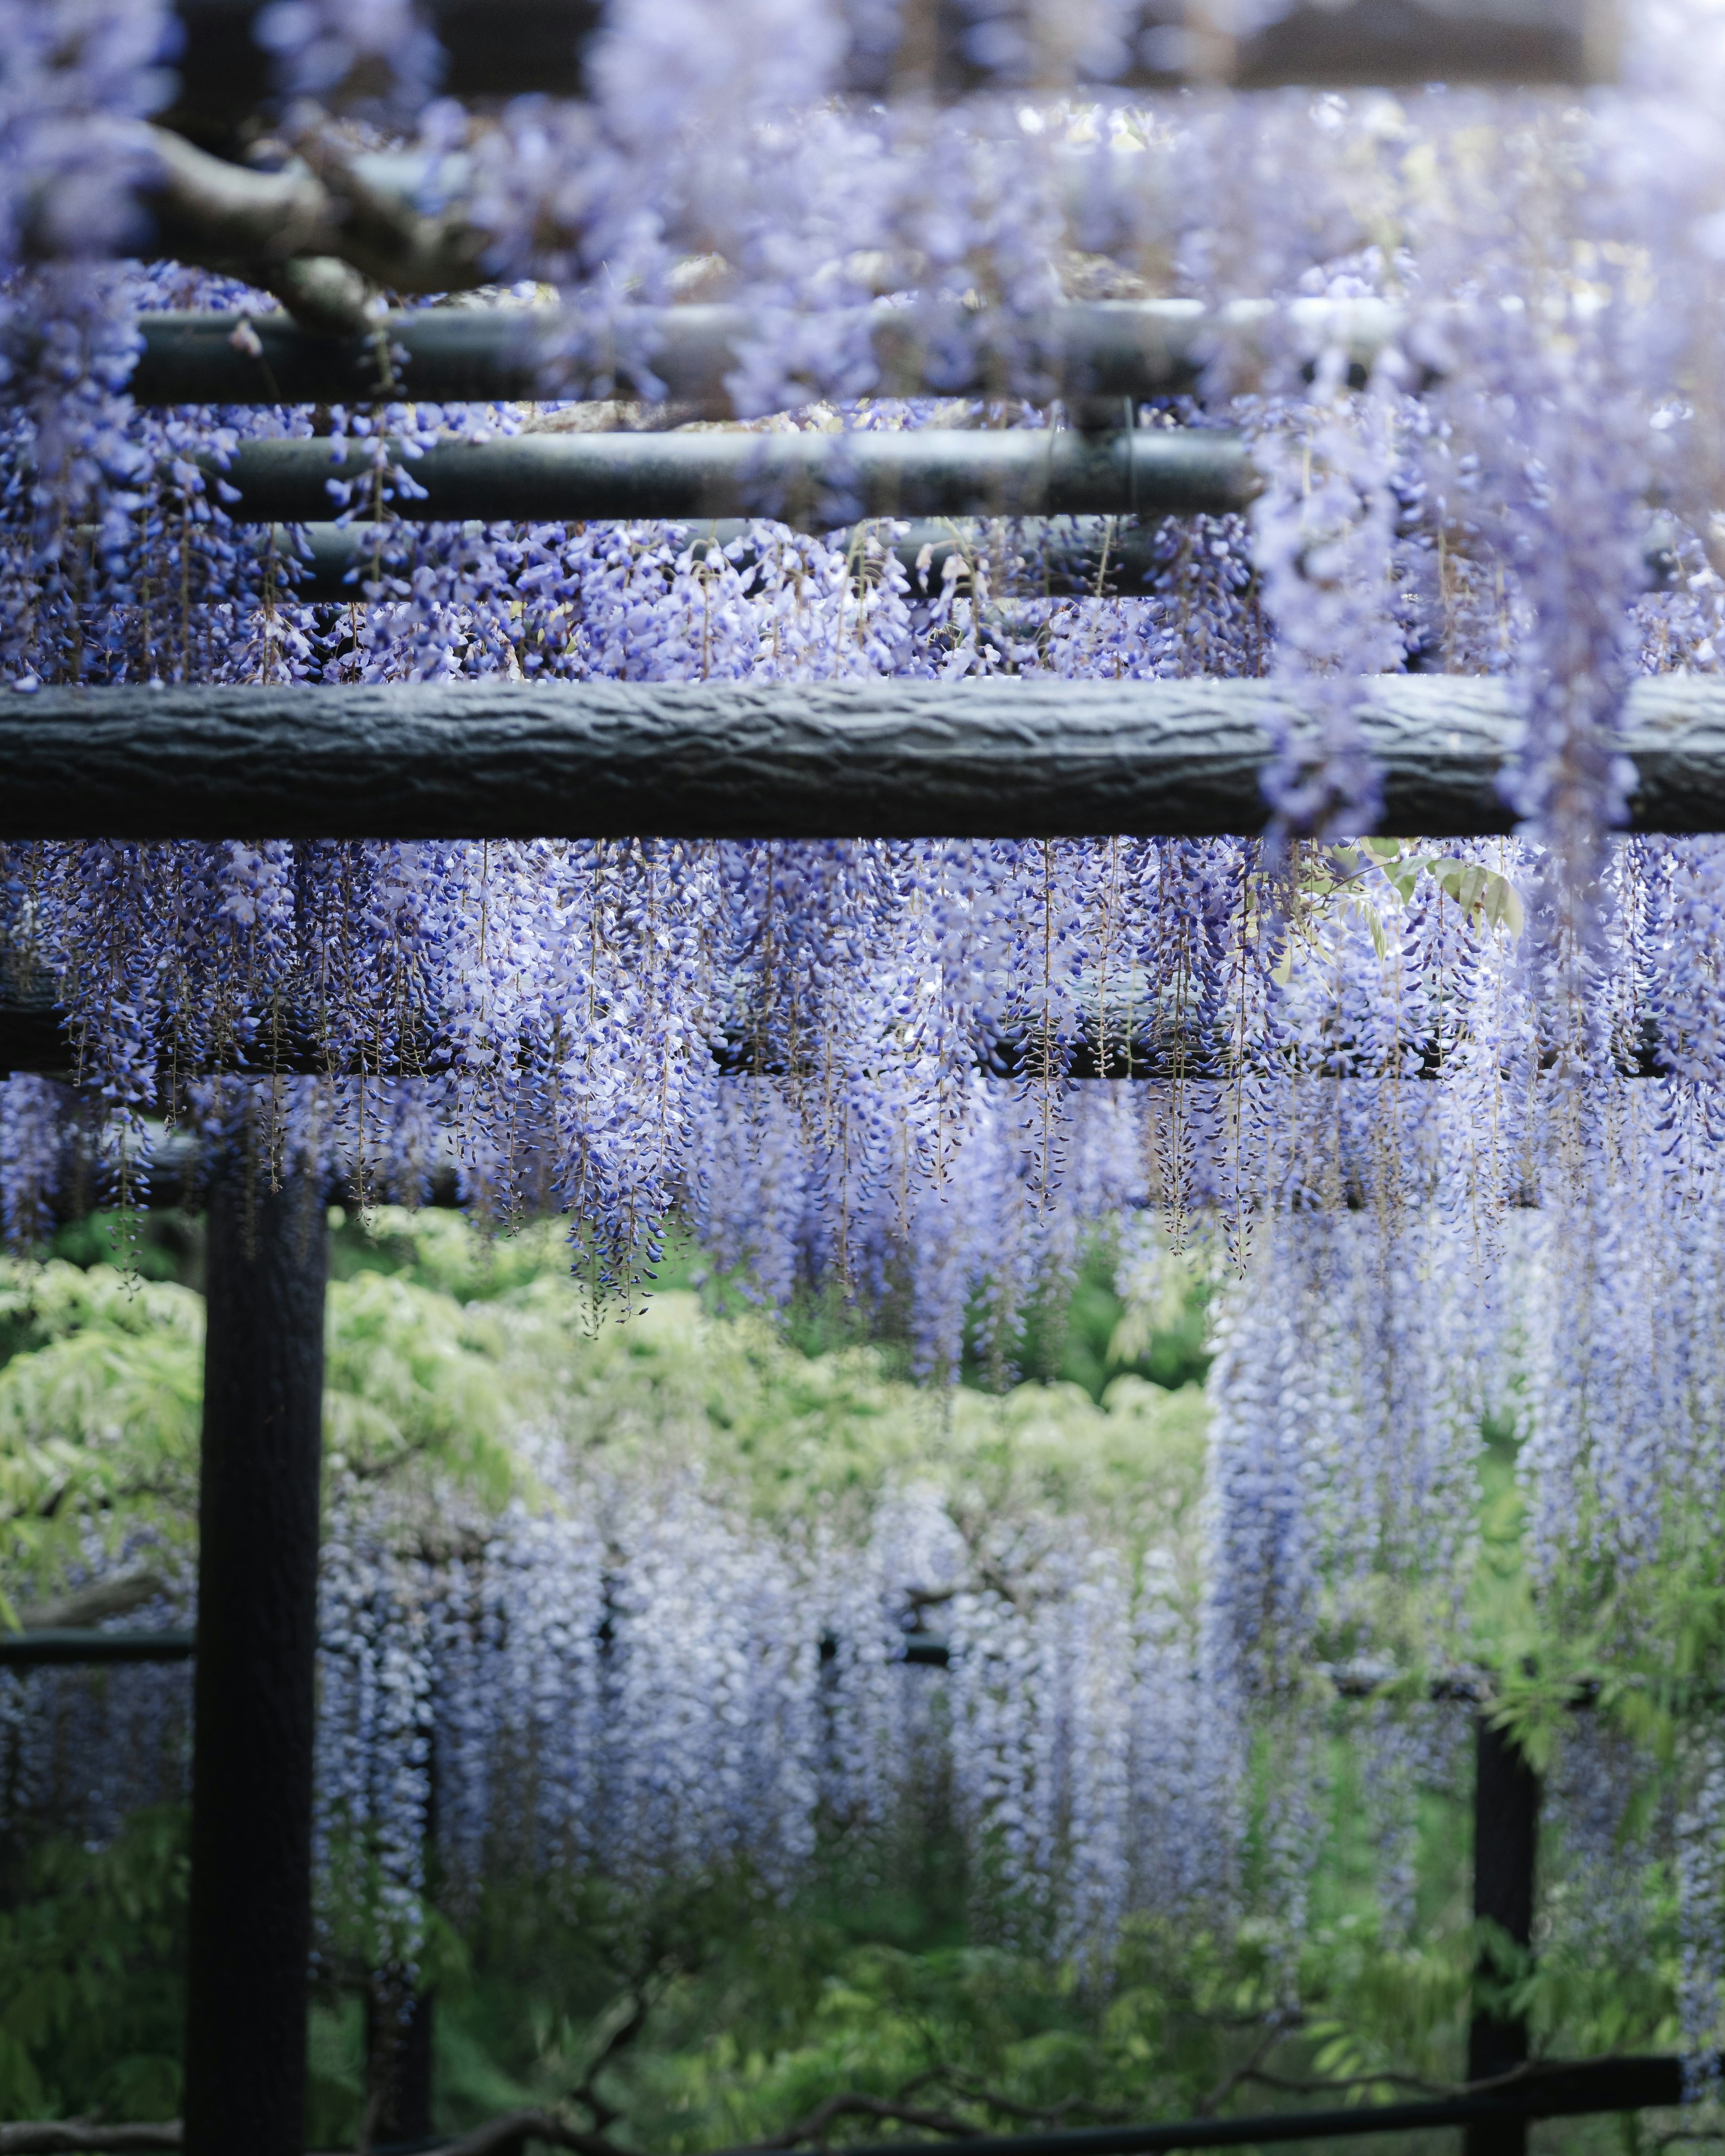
(163, 763)
(994, 759)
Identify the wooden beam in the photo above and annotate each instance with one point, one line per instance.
(1551, 2089)
(1065, 558)
(999, 757)
(1554, 2089)
(56, 1647)
(946, 49)
(817, 480)
(1088, 353)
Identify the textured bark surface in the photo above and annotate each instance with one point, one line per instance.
(995, 759)
(249, 1924)
(224, 72)
(1392, 41)
(814, 480)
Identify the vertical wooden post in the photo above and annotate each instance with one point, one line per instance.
(249, 1924)
(400, 2050)
(399, 2061)
(1506, 1831)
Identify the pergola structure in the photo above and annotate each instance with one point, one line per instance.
(498, 759)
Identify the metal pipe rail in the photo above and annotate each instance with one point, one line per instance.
(1093, 352)
(999, 757)
(817, 481)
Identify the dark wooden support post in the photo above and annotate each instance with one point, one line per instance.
(1506, 1834)
(398, 2049)
(250, 1928)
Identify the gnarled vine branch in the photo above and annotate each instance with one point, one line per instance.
(319, 234)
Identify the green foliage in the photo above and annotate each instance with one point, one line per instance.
(1158, 1316)
(1084, 1331)
(758, 2012)
(91, 1949)
(442, 1340)
(99, 1414)
(1326, 881)
(1077, 1330)
(411, 1374)
(434, 1248)
(792, 1435)
(707, 2013)
(163, 1244)
(100, 1396)
(1485, 897)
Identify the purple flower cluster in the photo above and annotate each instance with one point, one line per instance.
(629, 1679)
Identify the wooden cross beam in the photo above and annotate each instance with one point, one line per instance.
(946, 48)
(997, 757)
(814, 480)
(1089, 351)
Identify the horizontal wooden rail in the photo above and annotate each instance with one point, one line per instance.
(1090, 352)
(1541, 2090)
(64, 1645)
(948, 48)
(815, 480)
(69, 1645)
(37, 1036)
(999, 757)
(1044, 557)
(34, 1037)
(1066, 558)
(85, 2136)
(1555, 2089)
(59, 1644)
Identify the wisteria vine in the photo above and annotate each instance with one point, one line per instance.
(1447, 1111)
